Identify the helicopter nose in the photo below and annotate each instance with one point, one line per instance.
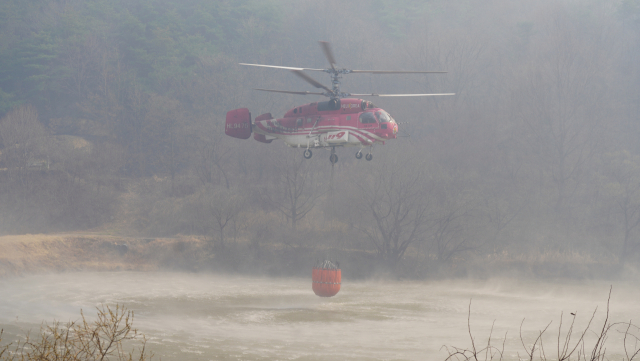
(387, 130)
(392, 130)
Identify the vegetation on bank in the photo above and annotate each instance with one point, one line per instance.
(102, 339)
(111, 117)
(593, 343)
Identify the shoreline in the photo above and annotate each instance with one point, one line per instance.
(76, 252)
(40, 253)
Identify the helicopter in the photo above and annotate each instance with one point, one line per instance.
(342, 121)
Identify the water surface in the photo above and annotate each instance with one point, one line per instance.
(213, 317)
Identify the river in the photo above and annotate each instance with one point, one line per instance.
(188, 316)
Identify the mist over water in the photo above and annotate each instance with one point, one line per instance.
(201, 316)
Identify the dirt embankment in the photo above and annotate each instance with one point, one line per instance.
(28, 254)
(69, 252)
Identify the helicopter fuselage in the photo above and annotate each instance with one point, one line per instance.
(334, 123)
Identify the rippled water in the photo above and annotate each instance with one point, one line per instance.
(212, 317)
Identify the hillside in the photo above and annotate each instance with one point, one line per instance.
(41, 253)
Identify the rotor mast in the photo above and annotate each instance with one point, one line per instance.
(335, 82)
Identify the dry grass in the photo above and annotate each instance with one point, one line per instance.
(62, 253)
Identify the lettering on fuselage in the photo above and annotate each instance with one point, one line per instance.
(350, 106)
(336, 137)
(237, 125)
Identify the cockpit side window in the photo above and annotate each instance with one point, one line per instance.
(367, 118)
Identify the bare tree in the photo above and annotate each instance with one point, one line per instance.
(448, 236)
(210, 155)
(392, 206)
(224, 207)
(460, 222)
(22, 137)
(24, 152)
(408, 201)
(213, 211)
(561, 98)
(621, 175)
(296, 188)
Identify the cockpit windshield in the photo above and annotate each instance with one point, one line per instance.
(383, 117)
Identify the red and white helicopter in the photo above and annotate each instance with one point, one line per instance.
(339, 122)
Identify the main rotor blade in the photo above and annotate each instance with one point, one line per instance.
(310, 80)
(396, 72)
(289, 92)
(326, 48)
(400, 95)
(281, 67)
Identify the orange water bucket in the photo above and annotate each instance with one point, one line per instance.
(326, 281)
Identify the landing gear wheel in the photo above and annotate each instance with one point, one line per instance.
(369, 156)
(307, 153)
(359, 155)
(333, 158)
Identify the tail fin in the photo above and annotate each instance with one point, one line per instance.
(238, 123)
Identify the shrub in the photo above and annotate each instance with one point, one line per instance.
(82, 340)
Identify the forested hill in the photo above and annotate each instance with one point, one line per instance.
(58, 55)
(112, 112)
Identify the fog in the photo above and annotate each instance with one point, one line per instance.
(189, 316)
(111, 135)
(112, 118)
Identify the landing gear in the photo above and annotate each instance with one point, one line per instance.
(368, 156)
(307, 153)
(334, 157)
(359, 154)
